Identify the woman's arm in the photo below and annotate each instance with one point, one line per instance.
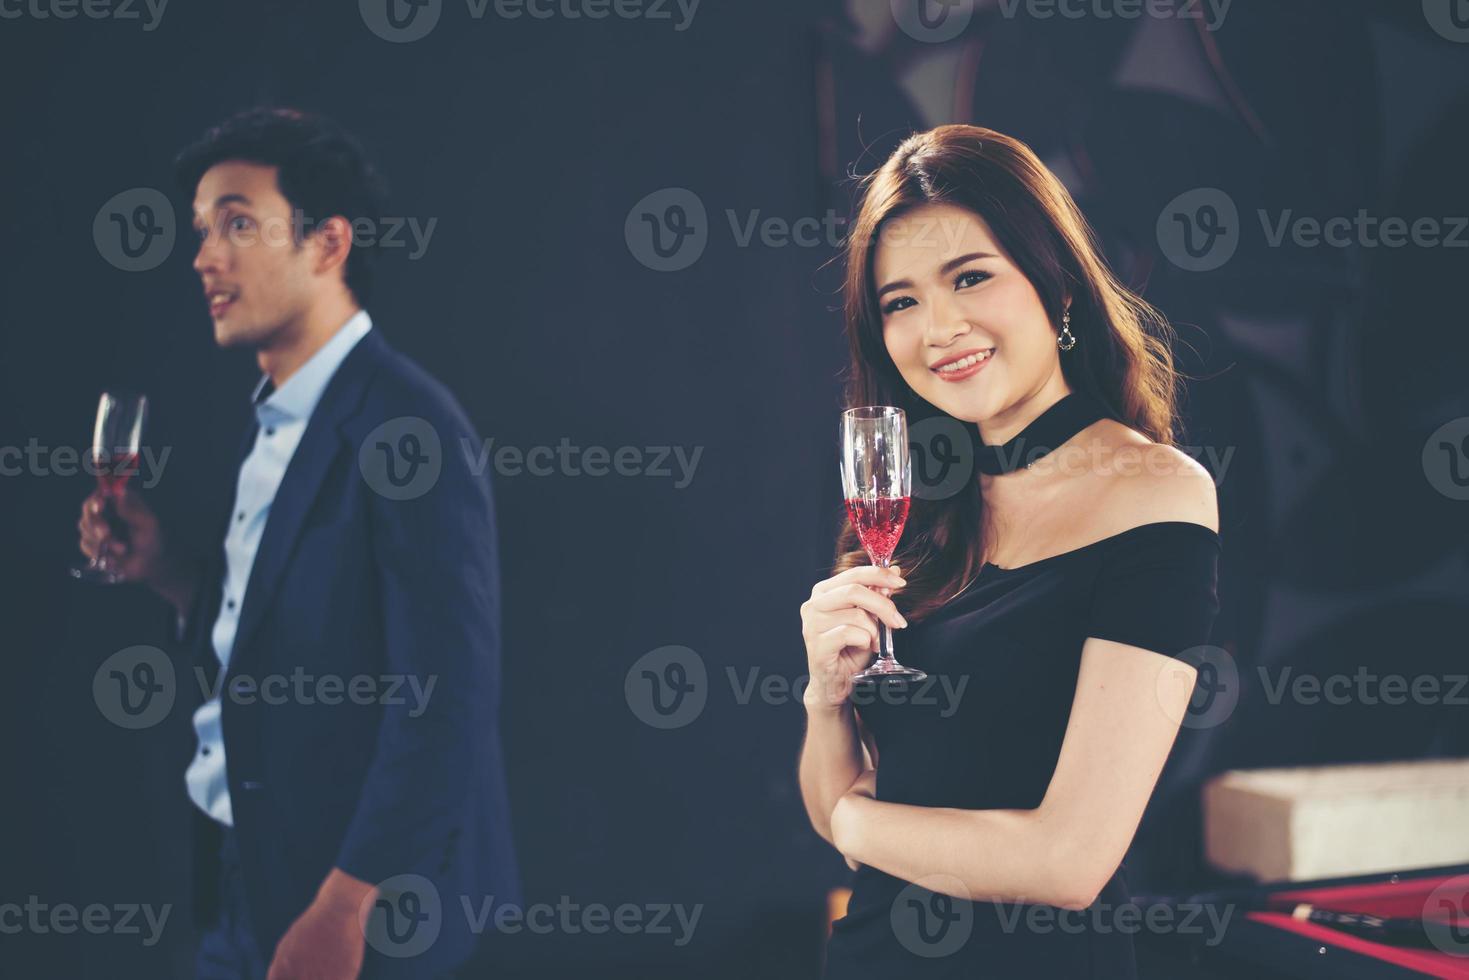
(1128, 706)
(839, 626)
(831, 760)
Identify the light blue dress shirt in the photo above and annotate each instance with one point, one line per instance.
(283, 416)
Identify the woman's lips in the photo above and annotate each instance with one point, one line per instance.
(964, 373)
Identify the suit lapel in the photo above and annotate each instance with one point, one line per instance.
(320, 446)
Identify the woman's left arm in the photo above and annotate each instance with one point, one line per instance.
(1128, 706)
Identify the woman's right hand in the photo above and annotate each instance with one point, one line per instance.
(839, 625)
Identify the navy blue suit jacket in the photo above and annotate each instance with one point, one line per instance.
(350, 582)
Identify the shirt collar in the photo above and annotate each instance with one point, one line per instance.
(297, 398)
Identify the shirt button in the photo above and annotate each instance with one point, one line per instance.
(240, 516)
(204, 750)
(270, 431)
(230, 603)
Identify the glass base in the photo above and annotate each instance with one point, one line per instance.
(889, 670)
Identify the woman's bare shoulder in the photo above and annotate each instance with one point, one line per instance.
(1147, 482)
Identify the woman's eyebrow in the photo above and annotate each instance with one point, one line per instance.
(948, 266)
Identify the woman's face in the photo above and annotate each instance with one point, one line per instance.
(964, 326)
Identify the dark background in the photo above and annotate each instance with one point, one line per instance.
(1319, 375)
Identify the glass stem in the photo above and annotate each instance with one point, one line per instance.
(884, 631)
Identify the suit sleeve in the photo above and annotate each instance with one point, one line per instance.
(439, 588)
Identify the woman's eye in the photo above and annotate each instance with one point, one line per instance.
(901, 303)
(971, 278)
(239, 224)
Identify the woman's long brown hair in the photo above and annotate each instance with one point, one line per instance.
(1122, 355)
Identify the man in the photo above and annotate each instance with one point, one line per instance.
(350, 757)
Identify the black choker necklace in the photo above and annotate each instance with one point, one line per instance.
(1048, 430)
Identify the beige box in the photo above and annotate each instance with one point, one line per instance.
(1332, 821)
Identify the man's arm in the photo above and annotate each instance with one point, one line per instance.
(437, 566)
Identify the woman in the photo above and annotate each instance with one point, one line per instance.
(987, 811)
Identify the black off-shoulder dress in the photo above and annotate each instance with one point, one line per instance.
(1013, 638)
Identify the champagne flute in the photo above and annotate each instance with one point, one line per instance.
(117, 439)
(876, 481)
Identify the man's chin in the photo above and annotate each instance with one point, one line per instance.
(227, 334)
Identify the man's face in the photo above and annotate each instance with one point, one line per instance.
(257, 277)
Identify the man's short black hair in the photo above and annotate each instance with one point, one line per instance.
(321, 171)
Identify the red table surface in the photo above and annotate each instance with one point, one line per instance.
(1400, 899)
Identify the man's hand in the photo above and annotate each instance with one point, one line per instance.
(326, 942)
(138, 553)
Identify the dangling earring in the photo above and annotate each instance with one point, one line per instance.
(1067, 340)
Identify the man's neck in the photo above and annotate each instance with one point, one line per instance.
(297, 344)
